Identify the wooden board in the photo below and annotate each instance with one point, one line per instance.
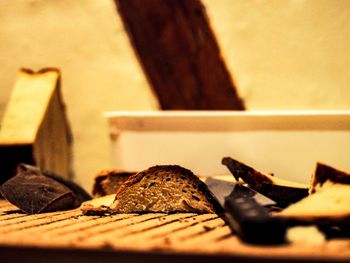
(187, 236)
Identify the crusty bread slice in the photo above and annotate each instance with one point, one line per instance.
(163, 188)
(330, 204)
(108, 181)
(329, 199)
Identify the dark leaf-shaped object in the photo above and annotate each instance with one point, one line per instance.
(283, 195)
(34, 192)
(80, 194)
(283, 192)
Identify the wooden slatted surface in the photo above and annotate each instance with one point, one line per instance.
(180, 233)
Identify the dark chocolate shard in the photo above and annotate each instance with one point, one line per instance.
(80, 194)
(34, 192)
(37, 193)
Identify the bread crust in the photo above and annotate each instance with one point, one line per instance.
(325, 173)
(138, 176)
(328, 202)
(176, 169)
(104, 184)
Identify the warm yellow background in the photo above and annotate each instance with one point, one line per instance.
(291, 54)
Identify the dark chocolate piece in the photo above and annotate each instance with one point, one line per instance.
(80, 194)
(36, 192)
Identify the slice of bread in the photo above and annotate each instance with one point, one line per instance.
(330, 204)
(108, 181)
(329, 199)
(166, 189)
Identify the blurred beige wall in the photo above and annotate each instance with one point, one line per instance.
(290, 54)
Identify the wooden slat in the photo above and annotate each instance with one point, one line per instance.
(133, 229)
(33, 221)
(179, 54)
(54, 226)
(77, 231)
(195, 231)
(209, 236)
(10, 216)
(166, 230)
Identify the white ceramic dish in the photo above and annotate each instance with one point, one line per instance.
(286, 143)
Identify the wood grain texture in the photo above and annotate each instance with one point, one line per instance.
(192, 237)
(179, 54)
